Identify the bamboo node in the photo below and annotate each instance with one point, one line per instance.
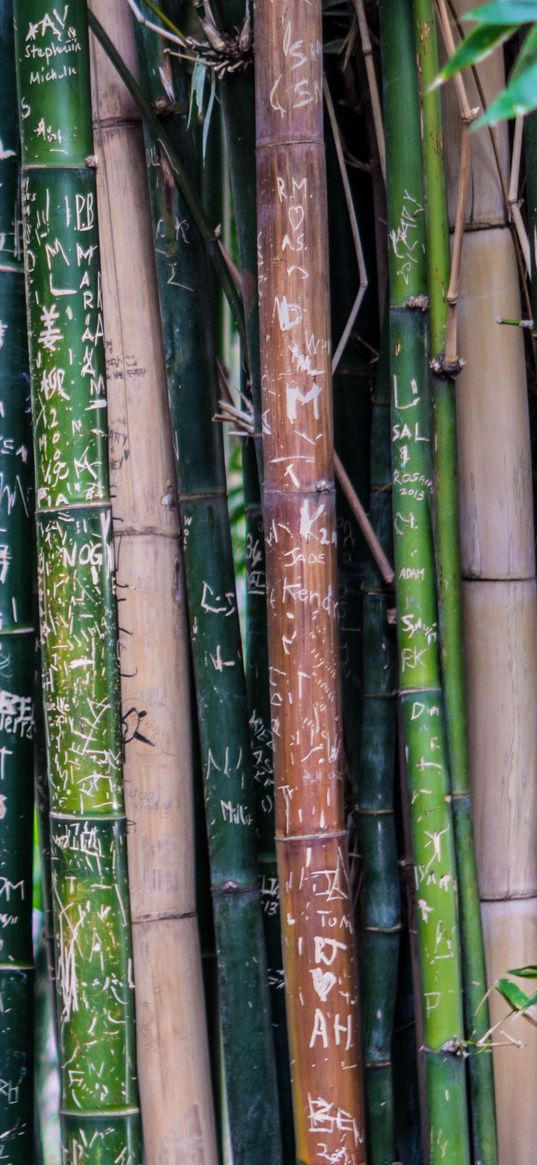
(92, 161)
(454, 1047)
(448, 369)
(224, 52)
(163, 107)
(417, 302)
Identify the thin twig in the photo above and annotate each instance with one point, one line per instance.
(165, 33)
(354, 229)
(467, 114)
(382, 562)
(451, 354)
(501, 178)
(512, 196)
(367, 52)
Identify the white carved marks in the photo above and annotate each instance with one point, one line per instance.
(298, 84)
(406, 248)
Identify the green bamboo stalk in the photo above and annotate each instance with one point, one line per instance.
(375, 801)
(409, 1142)
(99, 1107)
(237, 95)
(419, 664)
(216, 646)
(17, 563)
(448, 560)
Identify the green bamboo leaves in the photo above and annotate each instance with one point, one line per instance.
(76, 589)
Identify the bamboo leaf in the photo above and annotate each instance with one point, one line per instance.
(529, 972)
(514, 996)
(504, 12)
(520, 97)
(478, 44)
(207, 119)
(527, 57)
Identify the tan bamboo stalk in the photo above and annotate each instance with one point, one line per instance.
(497, 548)
(174, 1076)
(299, 514)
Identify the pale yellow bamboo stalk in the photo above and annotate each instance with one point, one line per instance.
(497, 546)
(174, 1076)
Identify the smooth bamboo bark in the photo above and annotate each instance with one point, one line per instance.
(17, 568)
(299, 513)
(421, 696)
(100, 1116)
(175, 1088)
(497, 546)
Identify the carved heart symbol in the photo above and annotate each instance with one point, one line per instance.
(323, 981)
(296, 216)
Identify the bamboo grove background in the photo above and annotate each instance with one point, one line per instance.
(268, 612)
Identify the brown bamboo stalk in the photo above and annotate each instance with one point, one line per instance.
(299, 515)
(174, 1075)
(497, 548)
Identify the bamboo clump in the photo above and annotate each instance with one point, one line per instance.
(175, 1089)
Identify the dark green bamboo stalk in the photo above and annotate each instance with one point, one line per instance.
(100, 1117)
(216, 646)
(375, 801)
(419, 670)
(237, 95)
(449, 594)
(17, 563)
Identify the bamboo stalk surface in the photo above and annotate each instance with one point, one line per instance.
(216, 644)
(99, 1103)
(175, 1090)
(431, 823)
(299, 514)
(17, 566)
(450, 590)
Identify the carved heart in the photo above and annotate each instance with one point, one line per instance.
(323, 981)
(296, 216)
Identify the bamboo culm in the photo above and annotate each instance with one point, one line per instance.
(450, 595)
(17, 644)
(99, 1104)
(375, 802)
(299, 515)
(237, 94)
(216, 644)
(421, 704)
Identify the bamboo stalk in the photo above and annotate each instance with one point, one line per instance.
(419, 661)
(175, 1090)
(376, 818)
(17, 564)
(299, 512)
(497, 549)
(216, 645)
(237, 95)
(100, 1115)
(443, 296)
